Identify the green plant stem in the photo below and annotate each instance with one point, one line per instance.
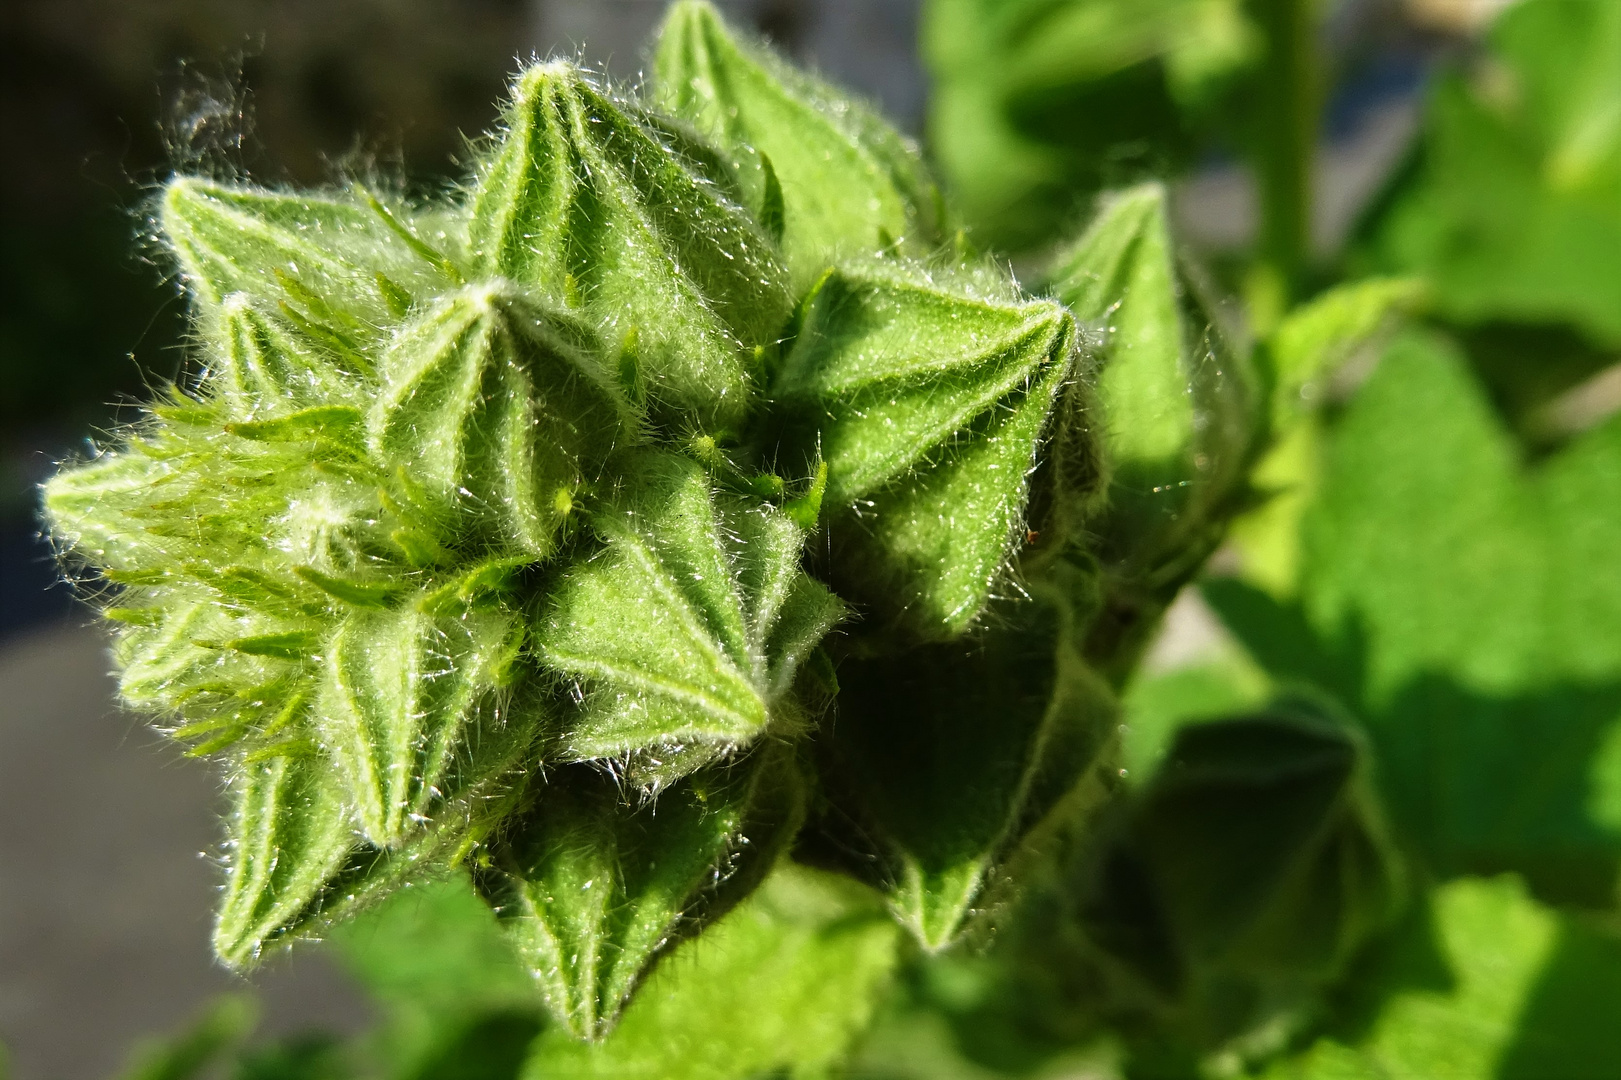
(1288, 109)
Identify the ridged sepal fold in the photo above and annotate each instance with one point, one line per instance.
(830, 174)
(687, 632)
(290, 834)
(928, 401)
(593, 891)
(501, 411)
(585, 203)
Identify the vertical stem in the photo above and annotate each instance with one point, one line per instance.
(1288, 112)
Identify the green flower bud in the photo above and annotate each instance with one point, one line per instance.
(586, 204)
(1250, 869)
(951, 764)
(1182, 407)
(835, 178)
(594, 891)
(687, 632)
(927, 400)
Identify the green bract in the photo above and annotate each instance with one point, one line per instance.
(822, 171)
(508, 534)
(1182, 413)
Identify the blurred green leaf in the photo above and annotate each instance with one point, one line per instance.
(1495, 986)
(1038, 103)
(310, 1057)
(1515, 212)
(451, 988)
(433, 947)
(778, 987)
(1470, 609)
(221, 1027)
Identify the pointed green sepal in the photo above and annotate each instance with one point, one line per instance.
(400, 692)
(264, 368)
(318, 255)
(927, 402)
(500, 409)
(688, 630)
(831, 175)
(593, 891)
(585, 203)
(1181, 405)
(290, 835)
(956, 768)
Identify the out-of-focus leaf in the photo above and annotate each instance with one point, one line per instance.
(1038, 103)
(1470, 610)
(848, 183)
(927, 401)
(1318, 338)
(1158, 704)
(455, 994)
(592, 891)
(223, 1025)
(778, 987)
(1301, 358)
(1494, 986)
(307, 1057)
(1516, 210)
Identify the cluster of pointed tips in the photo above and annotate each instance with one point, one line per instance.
(481, 538)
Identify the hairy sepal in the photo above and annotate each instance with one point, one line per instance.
(332, 261)
(1181, 405)
(501, 409)
(400, 690)
(593, 891)
(956, 771)
(928, 401)
(290, 834)
(585, 203)
(297, 864)
(833, 175)
(686, 632)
